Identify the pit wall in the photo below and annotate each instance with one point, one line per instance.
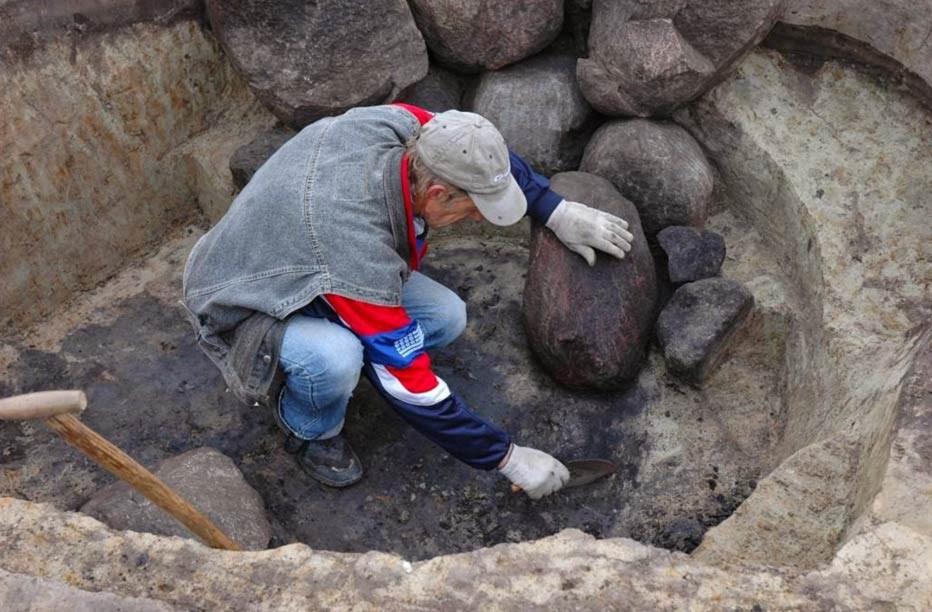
(808, 158)
(101, 124)
(890, 36)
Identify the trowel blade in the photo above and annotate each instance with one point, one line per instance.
(584, 471)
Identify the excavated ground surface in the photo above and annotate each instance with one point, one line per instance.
(686, 458)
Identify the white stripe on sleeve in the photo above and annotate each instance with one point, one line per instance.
(394, 387)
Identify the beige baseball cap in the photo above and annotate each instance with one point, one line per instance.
(466, 150)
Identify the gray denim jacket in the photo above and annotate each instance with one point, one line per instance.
(325, 214)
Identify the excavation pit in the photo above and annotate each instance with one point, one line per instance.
(802, 470)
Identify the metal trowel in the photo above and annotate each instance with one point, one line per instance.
(583, 471)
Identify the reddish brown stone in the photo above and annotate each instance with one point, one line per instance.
(590, 326)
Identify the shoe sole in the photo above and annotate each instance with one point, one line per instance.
(336, 484)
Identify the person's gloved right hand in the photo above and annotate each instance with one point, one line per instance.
(583, 229)
(536, 472)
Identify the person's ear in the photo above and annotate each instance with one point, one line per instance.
(436, 193)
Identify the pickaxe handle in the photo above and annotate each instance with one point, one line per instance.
(57, 408)
(42, 405)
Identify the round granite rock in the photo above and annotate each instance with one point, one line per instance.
(658, 166)
(648, 58)
(307, 60)
(473, 35)
(539, 109)
(589, 327)
(208, 480)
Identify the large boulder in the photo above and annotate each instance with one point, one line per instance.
(539, 109)
(697, 324)
(590, 326)
(474, 35)
(208, 480)
(648, 58)
(658, 166)
(307, 60)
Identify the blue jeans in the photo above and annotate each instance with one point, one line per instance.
(322, 360)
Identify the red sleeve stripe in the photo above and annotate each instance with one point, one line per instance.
(396, 388)
(368, 319)
(414, 260)
(421, 114)
(417, 377)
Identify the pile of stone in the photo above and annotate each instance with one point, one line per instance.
(575, 107)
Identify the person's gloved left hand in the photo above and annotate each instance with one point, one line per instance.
(534, 471)
(583, 229)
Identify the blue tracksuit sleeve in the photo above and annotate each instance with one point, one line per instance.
(541, 200)
(447, 422)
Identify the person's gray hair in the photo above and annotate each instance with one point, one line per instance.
(421, 177)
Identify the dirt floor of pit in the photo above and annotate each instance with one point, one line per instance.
(687, 458)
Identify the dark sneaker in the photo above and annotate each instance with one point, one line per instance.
(331, 461)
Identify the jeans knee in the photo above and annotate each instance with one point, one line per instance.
(345, 366)
(454, 321)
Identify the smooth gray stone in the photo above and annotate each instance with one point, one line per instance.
(439, 91)
(538, 107)
(656, 165)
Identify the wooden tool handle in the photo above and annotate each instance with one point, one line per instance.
(41, 405)
(126, 468)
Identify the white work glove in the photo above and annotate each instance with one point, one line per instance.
(536, 472)
(583, 229)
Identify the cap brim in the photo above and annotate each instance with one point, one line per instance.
(505, 207)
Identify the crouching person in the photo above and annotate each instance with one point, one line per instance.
(311, 278)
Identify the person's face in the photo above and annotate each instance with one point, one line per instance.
(438, 210)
